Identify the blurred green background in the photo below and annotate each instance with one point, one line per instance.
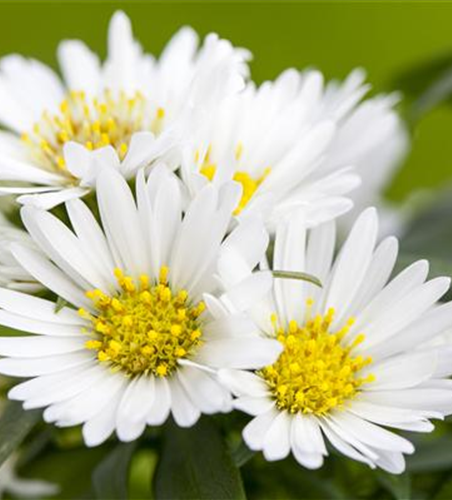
(386, 38)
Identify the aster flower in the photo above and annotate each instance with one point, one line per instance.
(136, 105)
(353, 362)
(151, 327)
(298, 144)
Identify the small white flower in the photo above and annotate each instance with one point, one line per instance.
(296, 144)
(151, 327)
(138, 106)
(351, 364)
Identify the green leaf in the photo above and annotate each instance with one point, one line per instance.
(445, 492)
(60, 304)
(110, 478)
(398, 485)
(430, 231)
(416, 79)
(196, 464)
(431, 454)
(438, 92)
(15, 424)
(427, 85)
(242, 454)
(293, 275)
(70, 469)
(141, 471)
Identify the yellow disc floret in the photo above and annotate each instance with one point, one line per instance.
(109, 119)
(249, 184)
(317, 371)
(144, 328)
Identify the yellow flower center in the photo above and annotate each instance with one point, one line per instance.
(94, 122)
(144, 328)
(249, 185)
(317, 371)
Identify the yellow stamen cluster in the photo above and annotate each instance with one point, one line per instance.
(144, 328)
(94, 122)
(317, 370)
(249, 185)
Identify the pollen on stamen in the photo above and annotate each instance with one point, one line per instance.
(109, 119)
(248, 183)
(143, 328)
(318, 370)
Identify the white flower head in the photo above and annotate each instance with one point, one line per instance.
(140, 107)
(296, 144)
(351, 363)
(151, 327)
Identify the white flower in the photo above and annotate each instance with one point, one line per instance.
(132, 103)
(150, 329)
(351, 364)
(296, 143)
(12, 274)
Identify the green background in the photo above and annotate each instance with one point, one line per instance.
(386, 38)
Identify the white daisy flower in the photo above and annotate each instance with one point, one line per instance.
(351, 364)
(137, 105)
(151, 328)
(296, 143)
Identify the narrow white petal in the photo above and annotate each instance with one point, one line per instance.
(277, 438)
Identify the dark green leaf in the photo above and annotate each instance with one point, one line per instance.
(438, 92)
(431, 454)
(242, 454)
(430, 231)
(398, 485)
(196, 464)
(445, 491)
(414, 81)
(15, 424)
(293, 275)
(71, 470)
(110, 478)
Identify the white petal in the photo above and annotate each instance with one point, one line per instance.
(371, 434)
(205, 392)
(243, 383)
(133, 408)
(277, 441)
(50, 276)
(39, 327)
(185, 413)
(253, 406)
(36, 308)
(254, 433)
(246, 353)
(160, 409)
(26, 367)
(79, 65)
(353, 260)
(34, 347)
(403, 371)
(121, 223)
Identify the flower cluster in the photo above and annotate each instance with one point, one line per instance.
(168, 209)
